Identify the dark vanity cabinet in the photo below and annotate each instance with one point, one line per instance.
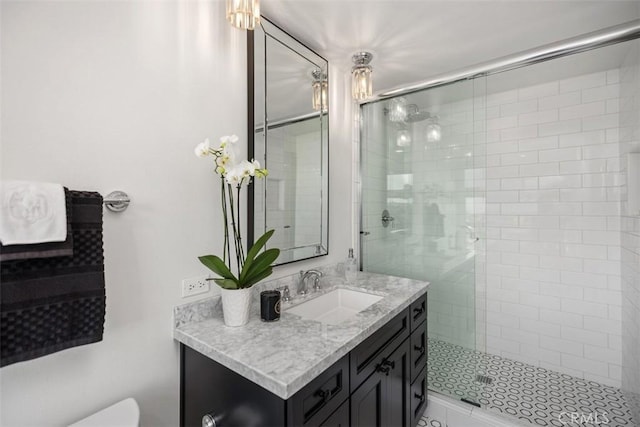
(382, 382)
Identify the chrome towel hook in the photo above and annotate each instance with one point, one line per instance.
(117, 201)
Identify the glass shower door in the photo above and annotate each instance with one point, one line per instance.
(420, 180)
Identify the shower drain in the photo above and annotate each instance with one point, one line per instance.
(484, 379)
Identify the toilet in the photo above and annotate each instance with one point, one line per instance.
(125, 413)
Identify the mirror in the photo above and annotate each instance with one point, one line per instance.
(289, 135)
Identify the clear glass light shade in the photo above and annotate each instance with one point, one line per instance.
(403, 139)
(320, 95)
(361, 86)
(398, 110)
(434, 133)
(243, 14)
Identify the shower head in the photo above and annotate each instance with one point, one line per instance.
(414, 114)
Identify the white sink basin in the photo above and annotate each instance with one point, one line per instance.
(336, 306)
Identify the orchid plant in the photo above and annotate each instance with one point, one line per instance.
(254, 266)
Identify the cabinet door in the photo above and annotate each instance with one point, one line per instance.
(340, 418)
(367, 402)
(398, 386)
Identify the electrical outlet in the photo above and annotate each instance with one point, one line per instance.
(195, 286)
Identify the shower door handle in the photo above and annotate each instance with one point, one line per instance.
(386, 219)
(365, 233)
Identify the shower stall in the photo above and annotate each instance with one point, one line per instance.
(510, 191)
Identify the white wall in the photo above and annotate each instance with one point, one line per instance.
(553, 240)
(115, 95)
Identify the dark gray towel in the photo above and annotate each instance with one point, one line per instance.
(42, 250)
(50, 304)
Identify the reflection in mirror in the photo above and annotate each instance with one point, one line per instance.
(289, 135)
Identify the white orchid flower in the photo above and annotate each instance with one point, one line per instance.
(234, 175)
(203, 149)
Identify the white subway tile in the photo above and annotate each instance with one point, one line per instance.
(541, 354)
(583, 82)
(559, 208)
(601, 208)
(595, 194)
(503, 270)
(604, 121)
(523, 311)
(502, 172)
(539, 326)
(502, 245)
(547, 301)
(584, 308)
(613, 76)
(560, 181)
(531, 144)
(502, 123)
(519, 209)
(537, 117)
(519, 158)
(515, 108)
(562, 345)
(502, 147)
(561, 154)
(549, 248)
(601, 151)
(603, 296)
(583, 166)
(502, 196)
(568, 126)
(583, 110)
(539, 195)
(614, 165)
(540, 274)
(586, 365)
(598, 324)
(561, 263)
(597, 237)
(539, 169)
(583, 251)
(610, 179)
(502, 98)
(612, 106)
(519, 259)
(560, 317)
(519, 234)
(520, 132)
(559, 101)
(583, 138)
(590, 280)
(537, 221)
(492, 160)
(502, 220)
(538, 91)
(529, 183)
(562, 291)
(583, 222)
(519, 335)
(601, 93)
(561, 236)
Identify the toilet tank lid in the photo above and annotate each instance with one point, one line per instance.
(125, 413)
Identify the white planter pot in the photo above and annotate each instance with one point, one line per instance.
(236, 304)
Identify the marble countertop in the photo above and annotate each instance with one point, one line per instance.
(284, 356)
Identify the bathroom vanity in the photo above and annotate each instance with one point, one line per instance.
(367, 370)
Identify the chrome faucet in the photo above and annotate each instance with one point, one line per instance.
(302, 282)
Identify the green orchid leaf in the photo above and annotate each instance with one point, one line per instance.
(255, 279)
(260, 263)
(226, 283)
(218, 266)
(251, 254)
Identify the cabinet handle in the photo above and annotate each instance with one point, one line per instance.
(418, 311)
(419, 396)
(210, 420)
(419, 348)
(324, 394)
(385, 366)
(389, 363)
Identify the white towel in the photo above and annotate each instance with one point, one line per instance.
(32, 212)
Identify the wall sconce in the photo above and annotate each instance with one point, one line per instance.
(361, 87)
(434, 132)
(320, 91)
(398, 110)
(243, 14)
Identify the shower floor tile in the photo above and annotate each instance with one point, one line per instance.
(533, 395)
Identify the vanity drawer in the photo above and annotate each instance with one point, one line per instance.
(418, 350)
(418, 311)
(418, 397)
(371, 352)
(321, 397)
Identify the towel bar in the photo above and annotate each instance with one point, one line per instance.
(117, 201)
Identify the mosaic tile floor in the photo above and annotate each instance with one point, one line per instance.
(533, 395)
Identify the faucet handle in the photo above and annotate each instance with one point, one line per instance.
(316, 284)
(286, 294)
